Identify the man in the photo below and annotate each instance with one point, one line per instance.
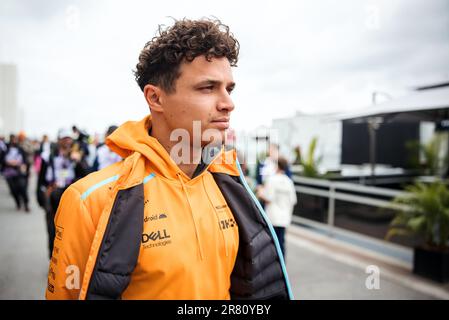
(166, 223)
(27, 146)
(279, 196)
(3, 149)
(104, 156)
(268, 166)
(15, 171)
(82, 139)
(60, 168)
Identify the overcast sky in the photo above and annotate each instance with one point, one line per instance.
(75, 58)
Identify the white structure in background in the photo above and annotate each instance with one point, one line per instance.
(250, 147)
(426, 104)
(11, 118)
(302, 128)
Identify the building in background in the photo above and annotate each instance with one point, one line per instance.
(300, 129)
(345, 140)
(381, 132)
(11, 118)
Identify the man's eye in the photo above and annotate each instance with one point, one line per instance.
(207, 88)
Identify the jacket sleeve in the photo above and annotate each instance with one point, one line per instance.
(74, 235)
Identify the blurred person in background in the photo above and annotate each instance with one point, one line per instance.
(36, 155)
(45, 147)
(279, 195)
(28, 147)
(82, 139)
(105, 156)
(267, 168)
(15, 171)
(65, 165)
(3, 149)
(92, 146)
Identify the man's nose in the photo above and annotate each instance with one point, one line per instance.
(226, 103)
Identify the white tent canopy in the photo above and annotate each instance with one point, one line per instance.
(420, 100)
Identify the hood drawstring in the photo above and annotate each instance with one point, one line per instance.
(193, 217)
(218, 219)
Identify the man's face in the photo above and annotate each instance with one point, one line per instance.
(65, 143)
(202, 94)
(13, 140)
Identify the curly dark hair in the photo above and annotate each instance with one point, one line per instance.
(161, 57)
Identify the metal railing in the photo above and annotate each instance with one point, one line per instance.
(314, 187)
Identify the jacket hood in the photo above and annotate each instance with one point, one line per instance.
(133, 136)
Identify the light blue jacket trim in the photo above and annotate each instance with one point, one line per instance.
(108, 180)
(98, 185)
(270, 226)
(148, 178)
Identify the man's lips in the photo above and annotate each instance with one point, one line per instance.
(221, 123)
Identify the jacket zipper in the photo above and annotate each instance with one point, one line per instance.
(193, 217)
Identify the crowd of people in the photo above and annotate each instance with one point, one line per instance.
(57, 164)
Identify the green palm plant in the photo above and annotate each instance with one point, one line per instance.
(310, 163)
(435, 163)
(424, 211)
(432, 153)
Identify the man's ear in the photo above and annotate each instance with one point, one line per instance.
(153, 96)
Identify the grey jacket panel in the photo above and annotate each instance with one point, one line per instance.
(120, 246)
(257, 271)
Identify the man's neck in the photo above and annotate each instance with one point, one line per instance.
(163, 136)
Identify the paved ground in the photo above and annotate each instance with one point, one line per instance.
(314, 275)
(23, 248)
(317, 276)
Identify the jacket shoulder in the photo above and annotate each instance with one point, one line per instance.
(91, 185)
(226, 163)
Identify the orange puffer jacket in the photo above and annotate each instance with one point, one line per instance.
(142, 229)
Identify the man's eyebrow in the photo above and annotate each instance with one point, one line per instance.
(213, 82)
